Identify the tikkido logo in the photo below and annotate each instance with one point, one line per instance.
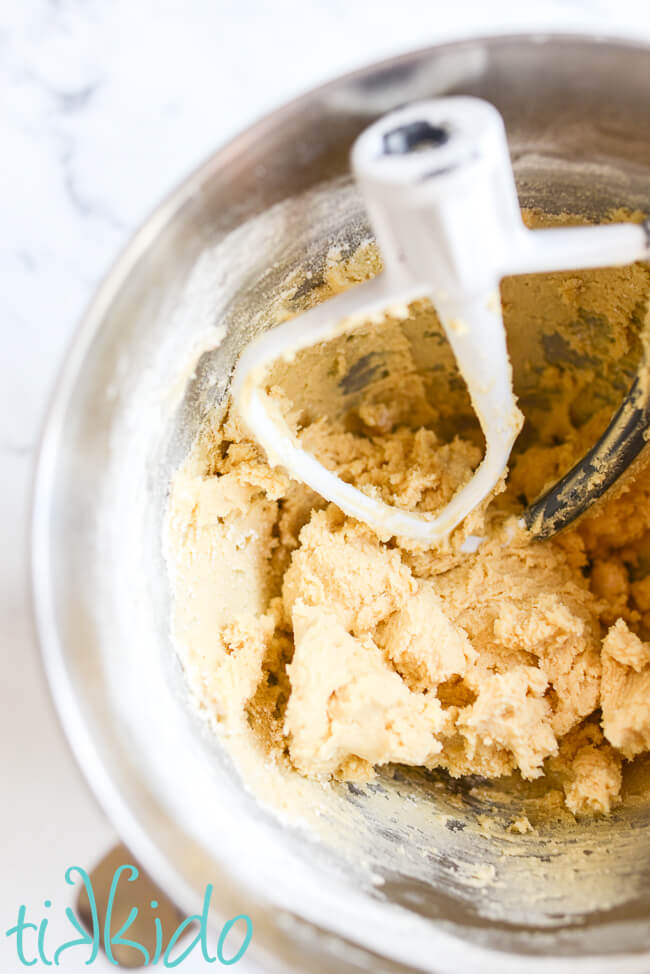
(31, 938)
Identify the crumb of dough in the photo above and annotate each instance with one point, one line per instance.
(340, 652)
(625, 691)
(520, 825)
(590, 771)
(596, 781)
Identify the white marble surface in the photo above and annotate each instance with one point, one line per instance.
(106, 105)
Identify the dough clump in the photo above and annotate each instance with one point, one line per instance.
(371, 652)
(341, 652)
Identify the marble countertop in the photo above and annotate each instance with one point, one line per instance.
(106, 105)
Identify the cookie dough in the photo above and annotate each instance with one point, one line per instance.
(338, 652)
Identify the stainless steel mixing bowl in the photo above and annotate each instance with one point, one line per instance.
(425, 889)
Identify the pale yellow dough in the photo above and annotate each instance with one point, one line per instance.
(339, 652)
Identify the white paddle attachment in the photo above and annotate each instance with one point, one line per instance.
(440, 194)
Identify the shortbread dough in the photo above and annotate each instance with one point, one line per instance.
(338, 652)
